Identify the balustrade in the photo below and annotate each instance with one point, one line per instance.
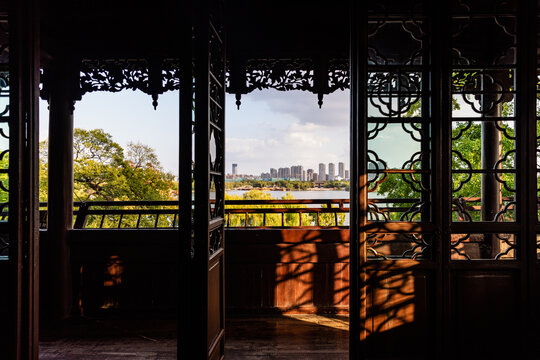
(303, 213)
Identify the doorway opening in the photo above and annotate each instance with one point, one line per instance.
(121, 298)
(287, 215)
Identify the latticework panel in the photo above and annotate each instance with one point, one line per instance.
(399, 158)
(217, 134)
(4, 138)
(483, 125)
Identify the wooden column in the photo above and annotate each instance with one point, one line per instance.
(60, 208)
(185, 184)
(358, 179)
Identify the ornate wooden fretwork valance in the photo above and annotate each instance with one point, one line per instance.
(319, 77)
(154, 77)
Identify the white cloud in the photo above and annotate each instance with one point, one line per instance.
(278, 129)
(303, 106)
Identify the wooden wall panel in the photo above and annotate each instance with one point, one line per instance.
(485, 309)
(291, 271)
(214, 296)
(267, 271)
(534, 336)
(399, 312)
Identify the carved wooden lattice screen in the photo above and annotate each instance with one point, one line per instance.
(206, 323)
(443, 112)
(399, 261)
(7, 254)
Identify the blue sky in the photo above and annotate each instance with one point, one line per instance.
(271, 129)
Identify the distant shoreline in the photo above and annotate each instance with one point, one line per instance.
(283, 189)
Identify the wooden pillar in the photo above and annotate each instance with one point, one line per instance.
(185, 184)
(60, 200)
(358, 179)
(491, 188)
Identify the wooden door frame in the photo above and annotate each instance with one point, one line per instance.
(20, 332)
(201, 223)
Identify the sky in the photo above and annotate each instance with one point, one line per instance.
(271, 129)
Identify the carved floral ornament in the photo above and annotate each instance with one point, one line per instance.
(155, 77)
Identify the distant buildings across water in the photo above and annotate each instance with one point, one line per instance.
(295, 172)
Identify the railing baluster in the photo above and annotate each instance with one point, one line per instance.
(81, 217)
(97, 212)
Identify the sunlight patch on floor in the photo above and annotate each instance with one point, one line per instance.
(340, 322)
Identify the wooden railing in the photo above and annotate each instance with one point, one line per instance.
(320, 213)
(238, 213)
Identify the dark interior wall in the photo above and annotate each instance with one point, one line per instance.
(131, 271)
(267, 271)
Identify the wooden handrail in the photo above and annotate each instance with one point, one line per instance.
(294, 213)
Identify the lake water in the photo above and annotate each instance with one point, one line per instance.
(319, 194)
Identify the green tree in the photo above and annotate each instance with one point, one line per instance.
(98, 162)
(102, 170)
(275, 219)
(466, 154)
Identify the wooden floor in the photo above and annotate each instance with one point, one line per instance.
(298, 337)
(111, 339)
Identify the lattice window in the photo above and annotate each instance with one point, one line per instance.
(483, 145)
(217, 134)
(399, 130)
(4, 139)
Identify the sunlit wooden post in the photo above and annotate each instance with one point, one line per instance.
(491, 153)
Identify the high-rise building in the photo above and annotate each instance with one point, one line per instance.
(303, 175)
(273, 173)
(347, 175)
(284, 173)
(315, 176)
(322, 171)
(331, 171)
(309, 175)
(234, 168)
(296, 172)
(341, 170)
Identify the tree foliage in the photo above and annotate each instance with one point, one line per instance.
(261, 184)
(103, 170)
(466, 155)
(275, 219)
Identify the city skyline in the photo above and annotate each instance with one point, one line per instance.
(298, 172)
